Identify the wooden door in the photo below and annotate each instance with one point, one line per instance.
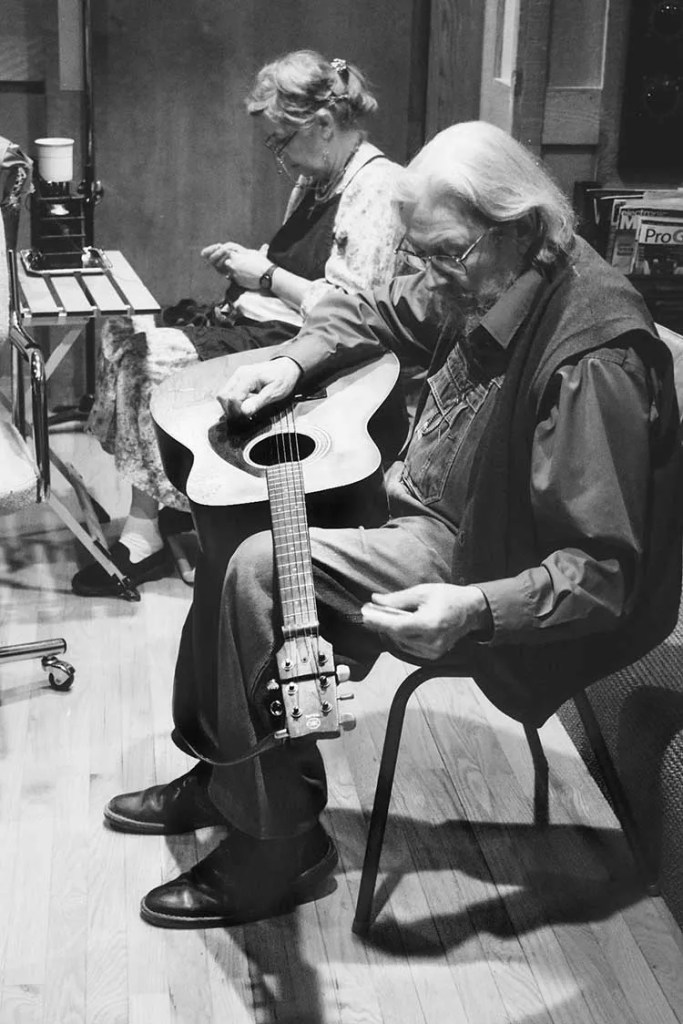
(515, 67)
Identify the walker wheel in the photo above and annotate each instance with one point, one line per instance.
(60, 673)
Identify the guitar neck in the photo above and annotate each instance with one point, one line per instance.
(293, 566)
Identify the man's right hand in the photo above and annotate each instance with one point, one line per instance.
(254, 387)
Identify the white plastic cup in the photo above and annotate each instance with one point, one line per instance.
(55, 159)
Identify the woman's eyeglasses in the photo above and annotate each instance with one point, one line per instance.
(277, 144)
(445, 260)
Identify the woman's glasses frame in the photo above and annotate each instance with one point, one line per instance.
(277, 144)
(446, 260)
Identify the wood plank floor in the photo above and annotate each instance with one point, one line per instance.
(481, 918)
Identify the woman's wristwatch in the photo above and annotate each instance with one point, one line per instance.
(266, 278)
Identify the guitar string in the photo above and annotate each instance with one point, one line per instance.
(306, 559)
(284, 488)
(303, 550)
(295, 566)
(288, 453)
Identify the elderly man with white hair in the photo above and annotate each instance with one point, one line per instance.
(531, 517)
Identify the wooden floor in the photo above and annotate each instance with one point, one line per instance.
(481, 919)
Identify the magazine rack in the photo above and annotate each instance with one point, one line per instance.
(599, 212)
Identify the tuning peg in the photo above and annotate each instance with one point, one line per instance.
(347, 722)
(343, 673)
(345, 696)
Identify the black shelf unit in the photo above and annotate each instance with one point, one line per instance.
(58, 226)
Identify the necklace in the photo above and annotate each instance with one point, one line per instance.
(323, 190)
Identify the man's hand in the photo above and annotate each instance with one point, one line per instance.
(243, 266)
(252, 388)
(428, 620)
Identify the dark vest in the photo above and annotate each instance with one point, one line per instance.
(303, 243)
(585, 306)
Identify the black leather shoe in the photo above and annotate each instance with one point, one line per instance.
(94, 581)
(180, 806)
(244, 879)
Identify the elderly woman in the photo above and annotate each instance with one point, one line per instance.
(341, 230)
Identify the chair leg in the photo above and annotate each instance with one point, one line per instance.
(98, 549)
(541, 810)
(60, 673)
(182, 562)
(34, 649)
(616, 791)
(380, 809)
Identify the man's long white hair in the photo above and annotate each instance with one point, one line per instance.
(480, 165)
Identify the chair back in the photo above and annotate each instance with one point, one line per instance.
(24, 455)
(17, 171)
(674, 343)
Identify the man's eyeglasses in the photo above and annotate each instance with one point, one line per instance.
(445, 260)
(277, 144)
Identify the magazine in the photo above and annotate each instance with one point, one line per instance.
(659, 246)
(657, 208)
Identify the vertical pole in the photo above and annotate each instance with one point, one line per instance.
(89, 188)
(88, 126)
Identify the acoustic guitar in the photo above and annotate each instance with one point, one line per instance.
(318, 442)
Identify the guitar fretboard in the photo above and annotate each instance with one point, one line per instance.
(293, 566)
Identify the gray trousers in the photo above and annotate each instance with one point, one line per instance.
(229, 640)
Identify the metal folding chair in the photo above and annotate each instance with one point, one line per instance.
(392, 739)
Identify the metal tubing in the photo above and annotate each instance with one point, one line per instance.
(380, 810)
(36, 649)
(541, 809)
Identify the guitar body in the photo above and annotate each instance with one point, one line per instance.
(214, 464)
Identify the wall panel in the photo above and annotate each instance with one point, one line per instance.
(455, 58)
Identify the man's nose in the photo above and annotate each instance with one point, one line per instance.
(435, 277)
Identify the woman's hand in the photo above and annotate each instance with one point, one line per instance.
(428, 620)
(242, 265)
(252, 388)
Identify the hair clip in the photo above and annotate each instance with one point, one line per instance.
(341, 67)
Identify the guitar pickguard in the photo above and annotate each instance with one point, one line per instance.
(230, 443)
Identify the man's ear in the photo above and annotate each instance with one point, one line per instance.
(325, 122)
(527, 228)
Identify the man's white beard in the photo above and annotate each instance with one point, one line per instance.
(463, 310)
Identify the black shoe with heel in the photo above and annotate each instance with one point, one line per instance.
(94, 581)
(245, 879)
(180, 806)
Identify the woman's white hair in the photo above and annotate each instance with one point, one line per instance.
(480, 165)
(291, 89)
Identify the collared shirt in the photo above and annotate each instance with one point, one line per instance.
(461, 390)
(590, 451)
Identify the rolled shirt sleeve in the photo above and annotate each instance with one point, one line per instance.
(589, 491)
(344, 330)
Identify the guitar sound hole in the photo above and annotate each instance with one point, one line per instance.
(278, 448)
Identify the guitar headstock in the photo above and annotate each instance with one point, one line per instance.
(309, 700)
